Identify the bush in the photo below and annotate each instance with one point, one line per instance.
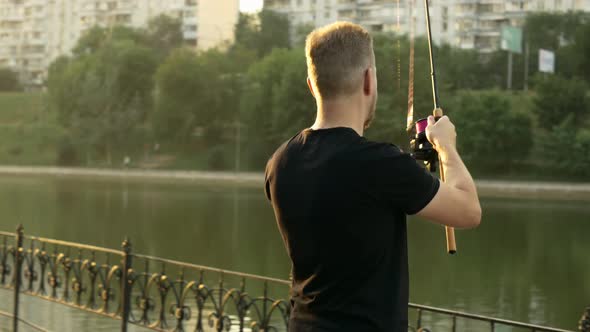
(217, 160)
(9, 80)
(66, 153)
(566, 150)
(557, 98)
(490, 135)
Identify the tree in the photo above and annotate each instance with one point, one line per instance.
(562, 33)
(276, 103)
(164, 33)
(565, 149)
(104, 91)
(274, 32)
(9, 80)
(96, 37)
(262, 32)
(581, 48)
(301, 32)
(557, 98)
(194, 91)
(487, 130)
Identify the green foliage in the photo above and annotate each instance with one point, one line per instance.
(9, 80)
(194, 91)
(164, 33)
(96, 37)
(262, 32)
(581, 49)
(566, 149)
(301, 32)
(29, 133)
(104, 91)
(121, 86)
(557, 98)
(276, 103)
(564, 33)
(491, 136)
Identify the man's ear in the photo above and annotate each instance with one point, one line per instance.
(310, 87)
(368, 82)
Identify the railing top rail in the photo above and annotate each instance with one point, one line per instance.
(207, 268)
(7, 234)
(487, 319)
(75, 245)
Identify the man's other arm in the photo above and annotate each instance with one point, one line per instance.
(456, 203)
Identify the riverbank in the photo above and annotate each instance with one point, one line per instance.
(486, 188)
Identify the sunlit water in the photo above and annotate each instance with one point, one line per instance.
(528, 261)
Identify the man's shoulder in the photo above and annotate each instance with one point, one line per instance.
(372, 150)
(279, 152)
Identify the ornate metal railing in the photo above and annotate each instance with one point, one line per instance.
(167, 295)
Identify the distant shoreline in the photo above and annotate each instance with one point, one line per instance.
(486, 188)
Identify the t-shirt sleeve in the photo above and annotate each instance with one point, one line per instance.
(401, 182)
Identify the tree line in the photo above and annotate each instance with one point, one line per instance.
(123, 89)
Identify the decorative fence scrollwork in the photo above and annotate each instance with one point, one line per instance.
(168, 295)
(160, 294)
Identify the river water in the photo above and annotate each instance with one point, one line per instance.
(528, 261)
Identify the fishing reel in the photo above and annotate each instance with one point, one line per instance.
(421, 149)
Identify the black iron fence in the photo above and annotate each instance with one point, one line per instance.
(167, 295)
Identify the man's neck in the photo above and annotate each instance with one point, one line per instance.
(342, 112)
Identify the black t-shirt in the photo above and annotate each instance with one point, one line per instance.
(341, 202)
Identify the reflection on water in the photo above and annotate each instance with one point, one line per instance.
(527, 261)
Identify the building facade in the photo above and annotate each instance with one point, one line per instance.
(477, 24)
(34, 32)
(469, 24)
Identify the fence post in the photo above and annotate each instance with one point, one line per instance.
(584, 324)
(126, 285)
(18, 250)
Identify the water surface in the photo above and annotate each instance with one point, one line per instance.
(528, 261)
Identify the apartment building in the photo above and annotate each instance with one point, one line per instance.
(34, 32)
(477, 24)
(376, 15)
(469, 24)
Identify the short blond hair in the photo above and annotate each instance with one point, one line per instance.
(337, 56)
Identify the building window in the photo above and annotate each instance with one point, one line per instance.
(377, 27)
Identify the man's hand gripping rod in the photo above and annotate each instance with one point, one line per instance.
(438, 113)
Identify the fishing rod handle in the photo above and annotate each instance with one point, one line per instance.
(449, 231)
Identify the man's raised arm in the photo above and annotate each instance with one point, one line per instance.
(456, 203)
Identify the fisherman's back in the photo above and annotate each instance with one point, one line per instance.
(344, 228)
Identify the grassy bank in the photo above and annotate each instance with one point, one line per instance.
(29, 133)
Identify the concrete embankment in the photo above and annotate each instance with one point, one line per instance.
(486, 188)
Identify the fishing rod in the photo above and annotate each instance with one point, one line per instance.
(421, 148)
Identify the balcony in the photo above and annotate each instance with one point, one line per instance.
(189, 35)
(276, 4)
(466, 14)
(492, 16)
(35, 41)
(190, 20)
(488, 32)
(491, 2)
(13, 17)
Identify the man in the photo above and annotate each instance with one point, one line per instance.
(341, 201)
